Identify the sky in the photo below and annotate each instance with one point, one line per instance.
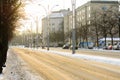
(39, 8)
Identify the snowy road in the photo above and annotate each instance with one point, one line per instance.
(58, 67)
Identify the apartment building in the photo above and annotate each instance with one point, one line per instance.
(84, 14)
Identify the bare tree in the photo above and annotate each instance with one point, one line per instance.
(112, 18)
(95, 26)
(9, 14)
(104, 22)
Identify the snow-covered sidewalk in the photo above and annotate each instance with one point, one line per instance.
(17, 69)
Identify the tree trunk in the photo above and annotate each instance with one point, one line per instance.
(97, 40)
(105, 36)
(111, 38)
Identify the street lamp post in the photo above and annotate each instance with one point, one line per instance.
(73, 26)
(48, 17)
(119, 28)
(35, 40)
(37, 30)
(119, 18)
(48, 11)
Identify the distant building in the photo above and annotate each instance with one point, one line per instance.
(56, 20)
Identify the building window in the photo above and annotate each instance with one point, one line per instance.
(53, 24)
(78, 19)
(89, 8)
(104, 8)
(89, 15)
(78, 14)
(88, 22)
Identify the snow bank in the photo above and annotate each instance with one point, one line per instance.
(87, 57)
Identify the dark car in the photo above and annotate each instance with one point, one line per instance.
(71, 47)
(66, 46)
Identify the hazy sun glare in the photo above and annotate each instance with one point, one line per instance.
(32, 9)
(33, 15)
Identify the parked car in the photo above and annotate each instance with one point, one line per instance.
(116, 46)
(88, 45)
(71, 47)
(105, 47)
(66, 46)
(109, 47)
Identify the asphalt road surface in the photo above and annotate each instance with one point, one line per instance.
(57, 67)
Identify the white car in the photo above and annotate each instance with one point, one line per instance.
(117, 46)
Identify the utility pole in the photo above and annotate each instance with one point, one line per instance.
(48, 11)
(31, 35)
(37, 32)
(73, 26)
(48, 37)
(119, 19)
(119, 28)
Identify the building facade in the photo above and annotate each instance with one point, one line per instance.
(84, 14)
(55, 21)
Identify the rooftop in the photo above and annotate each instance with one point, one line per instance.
(56, 14)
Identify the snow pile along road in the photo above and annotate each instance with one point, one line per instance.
(88, 57)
